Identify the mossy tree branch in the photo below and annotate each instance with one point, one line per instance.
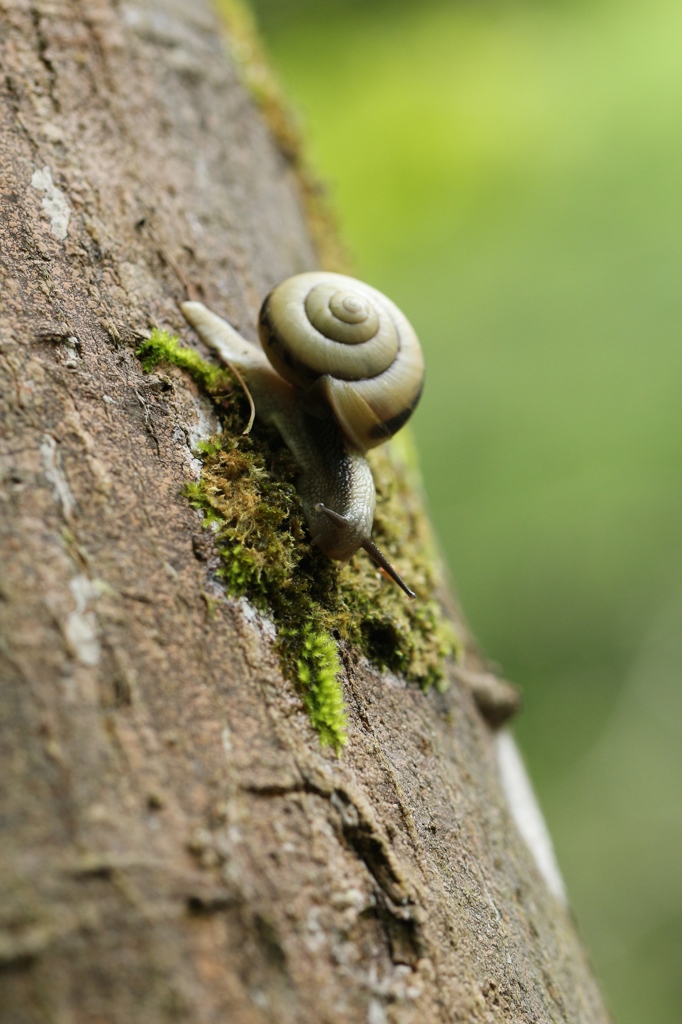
(177, 842)
(247, 494)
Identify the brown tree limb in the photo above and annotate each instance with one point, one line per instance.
(176, 843)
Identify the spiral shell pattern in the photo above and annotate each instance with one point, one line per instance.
(339, 339)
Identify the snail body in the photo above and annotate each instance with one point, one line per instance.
(341, 370)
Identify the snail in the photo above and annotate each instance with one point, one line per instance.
(340, 371)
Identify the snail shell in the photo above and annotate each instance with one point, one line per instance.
(348, 348)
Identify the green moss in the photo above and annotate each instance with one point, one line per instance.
(162, 347)
(247, 495)
(318, 669)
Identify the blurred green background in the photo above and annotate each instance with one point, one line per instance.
(510, 173)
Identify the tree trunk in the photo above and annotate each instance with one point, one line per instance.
(177, 844)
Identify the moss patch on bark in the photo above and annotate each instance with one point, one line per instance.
(248, 497)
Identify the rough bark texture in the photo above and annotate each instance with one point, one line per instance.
(176, 844)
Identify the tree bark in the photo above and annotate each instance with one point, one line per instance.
(176, 842)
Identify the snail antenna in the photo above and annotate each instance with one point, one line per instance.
(336, 517)
(371, 549)
(381, 560)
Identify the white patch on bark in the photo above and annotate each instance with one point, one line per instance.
(80, 628)
(226, 737)
(207, 425)
(315, 938)
(526, 812)
(54, 203)
(255, 618)
(52, 464)
(376, 1014)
